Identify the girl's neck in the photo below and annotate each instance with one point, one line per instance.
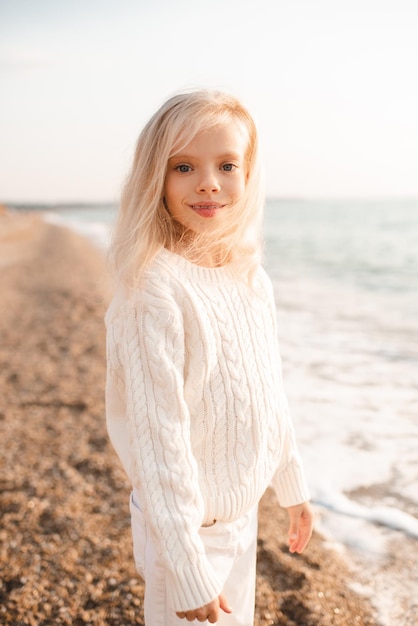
(203, 257)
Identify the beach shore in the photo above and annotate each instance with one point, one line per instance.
(65, 545)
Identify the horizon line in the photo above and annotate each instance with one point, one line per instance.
(281, 198)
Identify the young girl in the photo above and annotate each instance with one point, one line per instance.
(195, 403)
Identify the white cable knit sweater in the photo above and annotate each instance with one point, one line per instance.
(196, 409)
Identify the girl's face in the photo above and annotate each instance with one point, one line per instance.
(207, 177)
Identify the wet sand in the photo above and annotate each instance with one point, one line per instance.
(65, 545)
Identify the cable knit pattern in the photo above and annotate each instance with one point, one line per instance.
(196, 409)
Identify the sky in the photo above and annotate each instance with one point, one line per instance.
(332, 85)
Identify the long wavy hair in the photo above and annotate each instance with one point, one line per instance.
(144, 225)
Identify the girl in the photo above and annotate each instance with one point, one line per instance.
(195, 403)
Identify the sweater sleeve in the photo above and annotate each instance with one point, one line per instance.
(289, 481)
(163, 468)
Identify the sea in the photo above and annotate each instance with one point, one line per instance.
(345, 274)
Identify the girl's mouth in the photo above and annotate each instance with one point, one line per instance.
(206, 210)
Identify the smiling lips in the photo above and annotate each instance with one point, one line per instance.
(206, 209)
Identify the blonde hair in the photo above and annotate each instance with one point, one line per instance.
(144, 224)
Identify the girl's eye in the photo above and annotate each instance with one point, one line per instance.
(183, 168)
(228, 167)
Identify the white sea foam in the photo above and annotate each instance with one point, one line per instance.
(93, 224)
(384, 515)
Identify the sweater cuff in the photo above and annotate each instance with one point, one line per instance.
(193, 585)
(290, 485)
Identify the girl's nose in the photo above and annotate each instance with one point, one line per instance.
(208, 183)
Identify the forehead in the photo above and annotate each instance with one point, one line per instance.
(220, 139)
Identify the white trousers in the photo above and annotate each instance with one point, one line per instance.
(231, 548)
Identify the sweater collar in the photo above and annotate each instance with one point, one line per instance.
(215, 275)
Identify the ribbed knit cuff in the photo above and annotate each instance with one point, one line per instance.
(290, 485)
(193, 585)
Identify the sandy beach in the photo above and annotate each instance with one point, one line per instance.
(65, 555)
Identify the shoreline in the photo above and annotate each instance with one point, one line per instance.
(66, 554)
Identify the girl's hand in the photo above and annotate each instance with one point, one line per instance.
(300, 526)
(208, 612)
